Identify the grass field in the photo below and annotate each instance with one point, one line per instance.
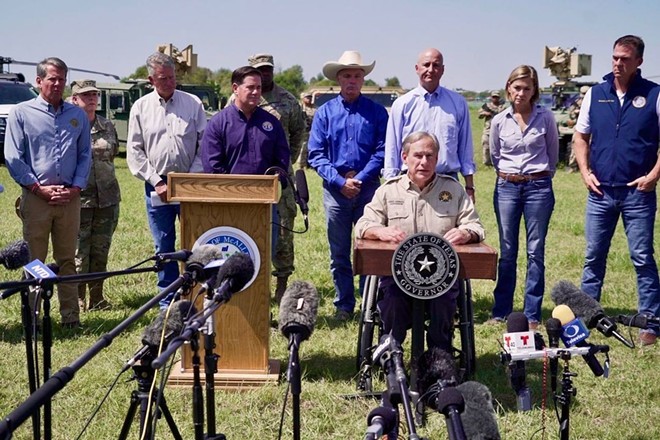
(624, 406)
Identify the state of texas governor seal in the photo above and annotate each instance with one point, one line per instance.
(425, 266)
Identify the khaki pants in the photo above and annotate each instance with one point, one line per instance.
(42, 221)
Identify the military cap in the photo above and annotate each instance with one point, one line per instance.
(83, 86)
(495, 93)
(305, 95)
(261, 59)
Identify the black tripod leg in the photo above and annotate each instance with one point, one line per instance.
(170, 420)
(130, 415)
(29, 356)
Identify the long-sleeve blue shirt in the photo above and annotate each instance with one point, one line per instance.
(348, 137)
(444, 113)
(233, 144)
(46, 146)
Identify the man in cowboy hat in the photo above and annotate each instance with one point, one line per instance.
(434, 109)
(346, 147)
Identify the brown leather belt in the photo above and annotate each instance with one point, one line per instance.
(520, 178)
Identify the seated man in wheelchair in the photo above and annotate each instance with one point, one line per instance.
(420, 201)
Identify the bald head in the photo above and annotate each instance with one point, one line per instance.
(429, 69)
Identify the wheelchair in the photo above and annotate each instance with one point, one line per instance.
(370, 331)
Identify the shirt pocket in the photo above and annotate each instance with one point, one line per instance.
(510, 139)
(367, 134)
(399, 213)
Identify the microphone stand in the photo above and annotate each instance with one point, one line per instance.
(55, 383)
(210, 368)
(197, 402)
(293, 375)
(26, 315)
(564, 399)
(47, 342)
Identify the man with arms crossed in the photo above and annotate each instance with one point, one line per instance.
(616, 147)
(432, 108)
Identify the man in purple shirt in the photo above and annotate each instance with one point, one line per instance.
(244, 138)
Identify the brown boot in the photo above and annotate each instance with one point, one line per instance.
(281, 287)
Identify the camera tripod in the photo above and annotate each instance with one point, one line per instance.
(144, 375)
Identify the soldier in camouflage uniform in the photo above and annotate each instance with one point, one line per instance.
(573, 113)
(308, 109)
(283, 105)
(99, 201)
(486, 112)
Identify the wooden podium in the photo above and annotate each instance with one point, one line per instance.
(242, 326)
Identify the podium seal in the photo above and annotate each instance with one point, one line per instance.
(425, 266)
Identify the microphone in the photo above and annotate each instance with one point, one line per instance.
(15, 255)
(380, 421)
(152, 334)
(554, 330)
(298, 310)
(433, 366)
(575, 334)
(302, 192)
(638, 320)
(585, 306)
(233, 276)
(181, 255)
(479, 418)
(200, 259)
(521, 339)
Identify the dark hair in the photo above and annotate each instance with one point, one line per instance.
(51, 61)
(522, 72)
(238, 75)
(633, 41)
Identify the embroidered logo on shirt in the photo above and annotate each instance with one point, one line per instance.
(74, 122)
(639, 101)
(445, 196)
(267, 126)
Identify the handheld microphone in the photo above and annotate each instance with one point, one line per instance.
(380, 421)
(233, 276)
(15, 255)
(517, 327)
(554, 330)
(585, 306)
(298, 310)
(479, 418)
(181, 255)
(638, 320)
(152, 334)
(302, 193)
(575, 334)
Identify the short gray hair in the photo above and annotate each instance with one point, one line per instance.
(418, 136)
(51, 61)
(159, 59)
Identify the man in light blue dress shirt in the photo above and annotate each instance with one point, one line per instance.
(432, 108)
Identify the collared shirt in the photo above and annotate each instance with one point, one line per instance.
(46, 146)
(442, 205)
(445, 114)
(233, 144)
(102, 186)
(164, 136)
(348, 137)
(522, 152)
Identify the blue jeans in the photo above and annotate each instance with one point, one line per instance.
(341, 215)
(637, 209)
(162, 221)
(533, 201)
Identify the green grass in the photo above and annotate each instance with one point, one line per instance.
(625, 406)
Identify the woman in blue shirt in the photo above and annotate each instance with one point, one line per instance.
(524, 147)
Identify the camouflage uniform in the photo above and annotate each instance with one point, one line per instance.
(573, 113)
(308, 113)
(99, 213)
(486, 112)
(283, 105)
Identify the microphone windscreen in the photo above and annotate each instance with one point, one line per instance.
(298, 309)
(517, 322)
(479, 418)
(580, 303)
(449, 397)
(15, 255)
(434, 365)
(301, 185)
(174, 323)
(563, 313)
(388, 417)
(200, 257)
(237, 271)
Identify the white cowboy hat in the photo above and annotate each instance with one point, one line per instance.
(350, 59)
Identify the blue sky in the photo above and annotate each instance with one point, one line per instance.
(482, 41)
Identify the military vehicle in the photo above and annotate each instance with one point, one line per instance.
(565, 65)
(13, 90)
(382, 95)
